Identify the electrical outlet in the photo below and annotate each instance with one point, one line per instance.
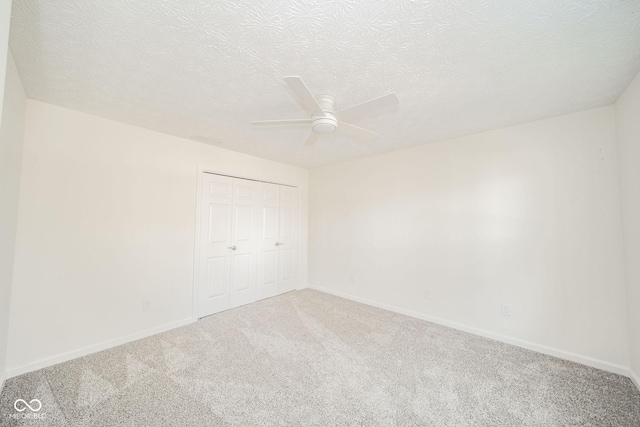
(352, 279)
(146, 305)
(506, 309)
(427, 294)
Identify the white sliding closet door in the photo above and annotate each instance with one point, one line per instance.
(247, 243)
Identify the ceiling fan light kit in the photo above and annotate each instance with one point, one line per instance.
(324, 119)
(324, 124)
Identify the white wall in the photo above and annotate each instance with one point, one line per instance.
(628, 137)
(5, 19)
(5, 279)
(527, 215)
(107, 220)
(11, 137)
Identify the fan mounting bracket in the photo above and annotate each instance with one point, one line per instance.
(326, 102)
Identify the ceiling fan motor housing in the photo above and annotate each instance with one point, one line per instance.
(327, 123)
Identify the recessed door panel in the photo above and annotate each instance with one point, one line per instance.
(286, 261)
(243, 217)
(270, 223)
(220, 189)
(241, 272)
(269, 268)
(216, 280)
(270, 195)
(286, 223)
(243, 191)
(218, 223)
(286, 196)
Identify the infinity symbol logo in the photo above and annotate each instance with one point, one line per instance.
(21, 405)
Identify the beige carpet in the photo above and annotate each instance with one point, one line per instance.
(310, 359)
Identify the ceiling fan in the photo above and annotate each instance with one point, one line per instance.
(324, 119)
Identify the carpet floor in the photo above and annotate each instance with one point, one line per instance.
(310, 359)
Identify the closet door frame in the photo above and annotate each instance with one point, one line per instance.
(196, 261)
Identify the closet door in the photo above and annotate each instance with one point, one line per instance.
(229, 231)
(278, 254)
(267, 249)
(215, 241)
(287, 239)
(244, 238)
(248, 238)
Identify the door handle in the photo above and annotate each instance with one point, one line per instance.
(279, 244)
(233, 248)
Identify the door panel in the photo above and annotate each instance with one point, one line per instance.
(288, 225)
(216, 280)
(218, 222)
(245, 232)
(270, 264)
(270, 219)
(215, 261)
(242, 272)
(286, 264)
(222, 189)
(270, 194)
(267, 252)
(243, 190)
(243, 216)
(268, 279)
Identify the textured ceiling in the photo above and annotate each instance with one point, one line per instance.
(208, 67)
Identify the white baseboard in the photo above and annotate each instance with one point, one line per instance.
(30, 367)
(566, 355)
(634, 379)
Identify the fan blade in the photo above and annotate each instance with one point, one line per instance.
(304, 95)
(311, 139)
(281, 122)
(357, 132)
(367, 107)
